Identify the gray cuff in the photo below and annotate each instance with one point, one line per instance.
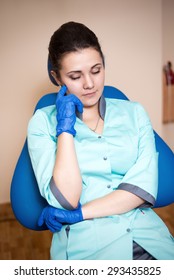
(149, 199)
(59, 196)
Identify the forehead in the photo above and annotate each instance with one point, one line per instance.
(80, 59)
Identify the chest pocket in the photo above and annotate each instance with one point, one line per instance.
(123, 150)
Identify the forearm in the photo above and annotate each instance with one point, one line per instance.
(66, 173)
(117, 202)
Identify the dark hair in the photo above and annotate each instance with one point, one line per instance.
(70, 37)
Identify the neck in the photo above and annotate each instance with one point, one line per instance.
(91, 118)
(90, 113)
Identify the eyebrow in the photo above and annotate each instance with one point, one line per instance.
(79, 71)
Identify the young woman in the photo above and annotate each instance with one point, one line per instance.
(95, 161)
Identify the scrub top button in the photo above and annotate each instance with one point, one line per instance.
(105, 158)
(108, 186)
(128, 230)
(99, 137)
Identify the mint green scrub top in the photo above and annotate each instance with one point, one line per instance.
(122, 157)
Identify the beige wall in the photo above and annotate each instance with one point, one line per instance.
(168, 54)
(168, 30)
(130, 34)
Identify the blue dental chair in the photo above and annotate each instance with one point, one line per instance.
(26, 201)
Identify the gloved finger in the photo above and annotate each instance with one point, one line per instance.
(78, 103)
(79, 106)
(59, 217)
(61, 92)
(53, 226)
(42, 218)
(54, 223)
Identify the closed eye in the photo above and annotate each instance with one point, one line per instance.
(96, 71)
(74, 75)
(75, 78)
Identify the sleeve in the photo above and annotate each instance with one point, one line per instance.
(142, 178)
(42, 147)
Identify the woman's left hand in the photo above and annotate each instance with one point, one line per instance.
(55, 217)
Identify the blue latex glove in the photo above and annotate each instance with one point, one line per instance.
(66, 111)
(55, 217)
(51, 224)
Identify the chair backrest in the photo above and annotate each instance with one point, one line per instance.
(26, 201)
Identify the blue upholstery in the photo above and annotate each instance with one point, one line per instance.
(26, 200)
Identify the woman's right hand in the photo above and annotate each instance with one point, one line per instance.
(66, 106)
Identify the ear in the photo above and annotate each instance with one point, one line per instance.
(53, 74)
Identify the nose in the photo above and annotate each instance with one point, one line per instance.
(88, 82)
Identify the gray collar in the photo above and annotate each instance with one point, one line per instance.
(102, 109)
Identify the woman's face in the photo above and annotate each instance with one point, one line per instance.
(83, 73)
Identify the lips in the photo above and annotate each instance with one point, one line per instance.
(89, 94)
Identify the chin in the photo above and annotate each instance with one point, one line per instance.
(91, 103)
